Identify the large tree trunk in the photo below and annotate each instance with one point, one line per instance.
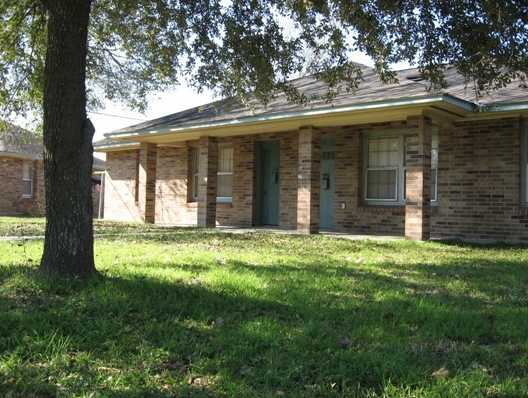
(68, 151)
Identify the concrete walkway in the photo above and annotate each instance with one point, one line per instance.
(322, 233)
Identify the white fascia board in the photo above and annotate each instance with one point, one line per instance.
(119, 145)
(20, 155)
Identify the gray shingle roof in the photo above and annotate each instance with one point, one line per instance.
(16, 141)
(371, 90)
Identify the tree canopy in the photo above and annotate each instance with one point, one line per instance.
(232, 47)
(120, 50)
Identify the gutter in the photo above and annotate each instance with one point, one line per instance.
(118, 145)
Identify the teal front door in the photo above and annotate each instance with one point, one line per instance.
(269, 183)
(326, 208)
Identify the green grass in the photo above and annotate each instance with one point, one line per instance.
(194, 313)
(35, 226)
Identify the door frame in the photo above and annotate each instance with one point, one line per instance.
(327, 155)
(263, 169)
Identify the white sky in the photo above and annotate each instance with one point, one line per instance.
(116, 116)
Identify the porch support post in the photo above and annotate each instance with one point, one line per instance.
(308, 180)
(418, 179)
(148, 155)
(208, 168)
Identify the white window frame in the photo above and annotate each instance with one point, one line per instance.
(194, 174)
(399, 168)
(434, 168)
(224, 171)
(524, 164)
(27, 176)
(137, 172)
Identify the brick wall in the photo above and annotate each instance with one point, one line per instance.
(418, 178)
(288, 178)
(308, 180)
(171, 187)
(357, 218)
(208, 169)
(479, 182)
(120, 186)
(347, 176)
(240, 211)
(11, 200)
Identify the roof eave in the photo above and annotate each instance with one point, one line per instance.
(115, 146)
(20, 155)
(463, 106)
(508, 107)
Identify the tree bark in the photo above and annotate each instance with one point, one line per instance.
(68, 151)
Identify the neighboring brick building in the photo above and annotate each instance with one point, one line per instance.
(389, 159)
(22, 173)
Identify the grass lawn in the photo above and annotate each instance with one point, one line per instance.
(195, 313)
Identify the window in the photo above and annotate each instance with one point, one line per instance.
(194, 175)
(434, 167)
(136, 181)
(27, 180)
(524, 165)
(225, 174)
(385, 170)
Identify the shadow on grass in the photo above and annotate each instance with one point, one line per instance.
(136, 336)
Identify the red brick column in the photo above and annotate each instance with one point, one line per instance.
(418, 179)
(308, 180)
(208, 166)
(148, 154)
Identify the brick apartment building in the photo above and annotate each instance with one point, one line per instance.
(390, 159)
(22, 173)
